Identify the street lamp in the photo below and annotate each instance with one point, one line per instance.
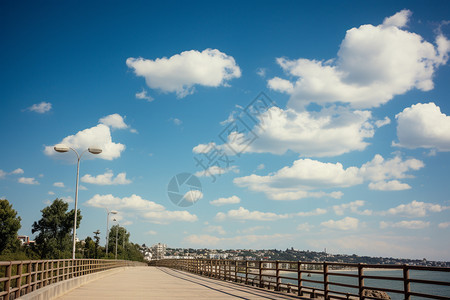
(117, 231)
(108, 212)
(63, 148)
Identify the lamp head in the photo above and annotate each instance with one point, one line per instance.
(113, 212)
(61, 148)
(95, 150)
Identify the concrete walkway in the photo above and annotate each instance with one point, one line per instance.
(163, 283)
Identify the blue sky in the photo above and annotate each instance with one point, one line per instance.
(351, 155)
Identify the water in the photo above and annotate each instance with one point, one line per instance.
(388, 284)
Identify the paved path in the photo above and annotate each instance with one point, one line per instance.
(163, 283)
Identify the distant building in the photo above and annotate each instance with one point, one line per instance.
(159, 251)
(25, 240)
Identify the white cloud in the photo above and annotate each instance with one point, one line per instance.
(82, 188)
(260, 167)
(67, 199)
(176, 121)
(51, 193)
(151, 232)
(307, 133)
(2, 174)
(59, 184)
(381, 169)
(240, 241)
(304, 227)
(28, 180)
(225, 201)
(192, 196)
(399, 20)
(143, 95)
(384, 122)
(165, 217)
(373, 64)
(423, 126)
(17, 171)
(114, 121)
(245, 214)
(261, 72)
(106, 179)
(353, 206)
(405, 224)
(181, 72)
(348, 223)
(134, 202)
(41, 108)
(252, 229)
(99, 136)
(444, 225)
(216, 170)
(416, 209)
(213, 228)
(316, 212)
(393, 185)
(297, 181)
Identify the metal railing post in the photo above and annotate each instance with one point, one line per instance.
(406, 283)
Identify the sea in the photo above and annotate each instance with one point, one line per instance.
(438, 290)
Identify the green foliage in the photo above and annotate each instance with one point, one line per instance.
(55, 227)
(9, 225)
(125, 249)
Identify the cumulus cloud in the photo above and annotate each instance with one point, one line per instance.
(212, 228)
(423, 125)
(373, 64)
(99, 136)
(307, 133)
(165, 217)
(353, 207)
(392, 185)
(244, 215)
(28, 180)
(106, 179)
(348, 223)
(415, 209)
(192, 196)
(182, 72)
(40, 108)
(134, 202)
(58, 184)
(306, 175)
(444, 225)
(239, 241)
(2, 174)
(405, 224)
(225, 201)
(114, 121)
(143, 95)
(17, 171)
(384, 122)
(316, 212)
(304, 227)
(216, 170)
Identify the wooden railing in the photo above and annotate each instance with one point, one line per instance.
(18, 278)
(325, 280)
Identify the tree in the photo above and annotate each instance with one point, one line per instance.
(9, 225)
(55, 227)
(97, 242)
(122, 240)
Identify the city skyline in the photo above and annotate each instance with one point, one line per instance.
(307, 125)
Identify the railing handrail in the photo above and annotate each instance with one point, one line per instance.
(18, 278)
(269, 274)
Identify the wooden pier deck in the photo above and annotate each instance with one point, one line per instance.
(165, 283)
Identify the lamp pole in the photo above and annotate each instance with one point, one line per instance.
(63, 148)
(108, 212)
(117, 231)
